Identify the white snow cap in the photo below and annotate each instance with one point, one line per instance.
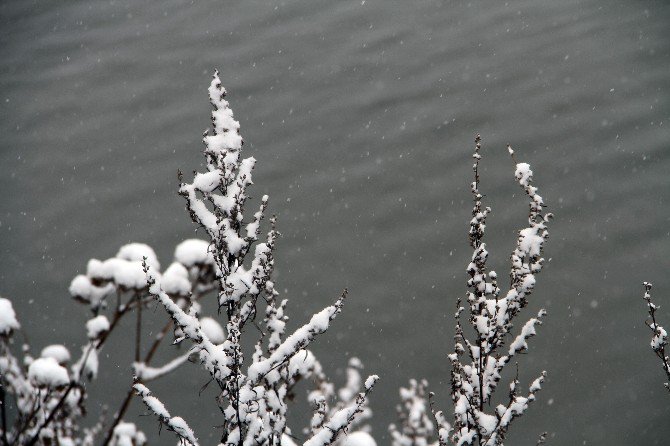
(126, 273)
(56, 351)
(286, 441)
(127, 434)
(359, 438)
(96, 326)
(47, 372)
(193, 252)
(136, 252)
(175, 280)
(302, 363)
(213, 330)
(82, 288)
(523, 173)
(8, 320)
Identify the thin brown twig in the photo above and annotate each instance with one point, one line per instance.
(138, 329)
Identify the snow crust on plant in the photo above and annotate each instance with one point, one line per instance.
(175, 280)
(96, 326)
(295, 342)
(213, 330)
(56, 351)
(125, 270)
(127, 434)
(145, 373)
(8, 321)
(48, 373)
(341, 419)
(523, 173)
(359, 438)
(137, 252)
(193, 252)
(128, 274)
(83, 289)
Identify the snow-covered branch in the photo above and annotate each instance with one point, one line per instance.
(255, 385)
(491, 318)
(253, 396)
(478, 360)
(659, 340)
(236, 265)
(174, 424)
(341, 419)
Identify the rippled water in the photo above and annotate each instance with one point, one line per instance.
(361, 115)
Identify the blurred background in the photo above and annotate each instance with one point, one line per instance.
(362, 116)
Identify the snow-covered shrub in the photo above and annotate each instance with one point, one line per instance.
(233, 267)
(478, 360)
(254, 393)
(660, 338)
(48, 392)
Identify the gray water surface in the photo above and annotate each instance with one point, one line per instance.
(361, 115)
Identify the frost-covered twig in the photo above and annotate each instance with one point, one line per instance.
(660, 339)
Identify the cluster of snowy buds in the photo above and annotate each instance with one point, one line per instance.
(48, 392)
